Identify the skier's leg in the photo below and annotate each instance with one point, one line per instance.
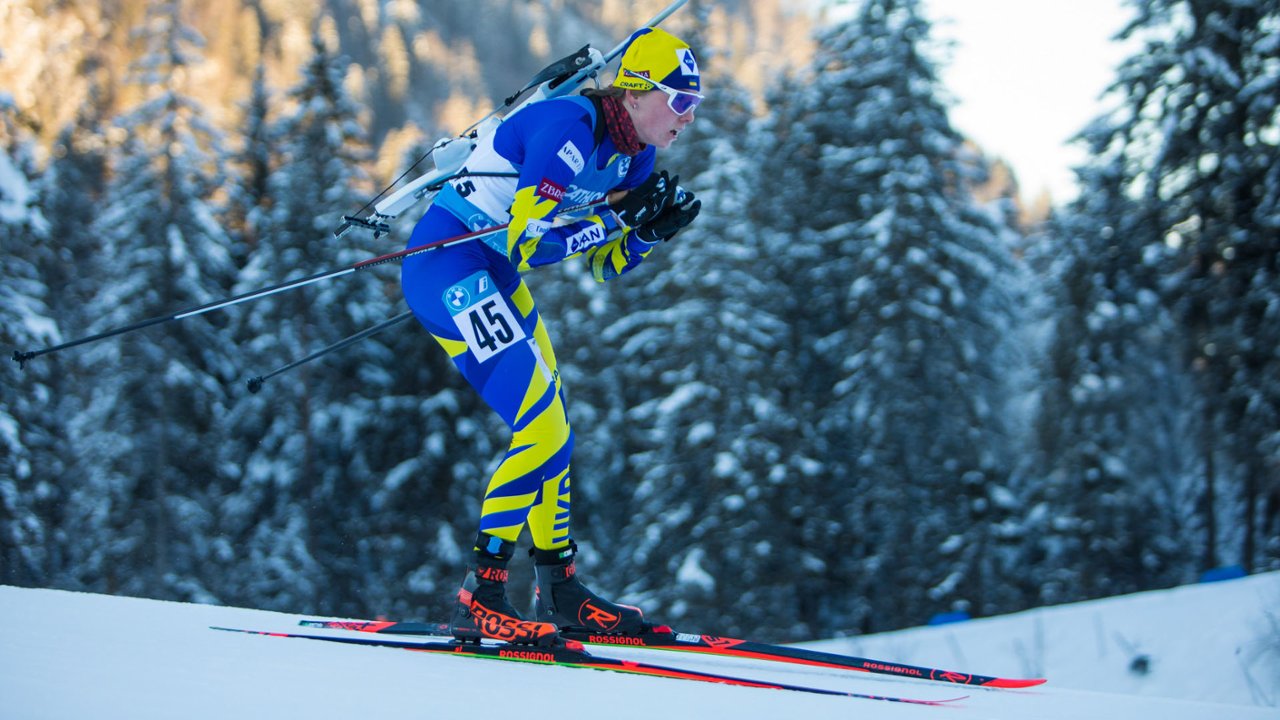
(561, 598)
(481, 312)
(549, 517)
(537, 470)
(475, 305)
(531, 483)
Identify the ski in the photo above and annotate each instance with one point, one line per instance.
(572, 655)
(664, 638)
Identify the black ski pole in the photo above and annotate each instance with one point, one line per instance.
(21, 357)
(255, 383)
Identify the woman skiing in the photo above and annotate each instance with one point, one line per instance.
(551, 155)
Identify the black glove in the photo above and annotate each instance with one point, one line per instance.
(646, 201)
(672, 220)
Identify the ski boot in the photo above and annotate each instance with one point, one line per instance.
(562, 599)
(482, 610)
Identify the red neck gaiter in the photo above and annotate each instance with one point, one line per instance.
(620, 127)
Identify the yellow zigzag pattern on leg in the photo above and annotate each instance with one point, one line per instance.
(543, 437)
(553, 508)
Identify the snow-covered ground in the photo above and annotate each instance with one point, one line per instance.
(1213, 652)
(1217, 642)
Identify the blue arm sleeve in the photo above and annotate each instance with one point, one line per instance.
(554, 156)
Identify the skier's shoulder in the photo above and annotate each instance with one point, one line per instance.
(561, 128)
(557, 116)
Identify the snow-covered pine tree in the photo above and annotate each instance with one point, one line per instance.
(71, 193)
(249, 196)
(792, 204)
(1109, 486)
(1197, 120)
(28, 432)
(151, 425)
(901, 306)
(313, 442)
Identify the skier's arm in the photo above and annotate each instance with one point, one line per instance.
(623, 253)
(618, 256)
(550, 167)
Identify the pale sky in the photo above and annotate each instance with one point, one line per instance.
(1027, 75)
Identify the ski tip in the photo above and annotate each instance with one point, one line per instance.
(1016, 682)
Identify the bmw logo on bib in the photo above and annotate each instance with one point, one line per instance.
(457, 298)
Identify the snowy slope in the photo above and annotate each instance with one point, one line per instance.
(67, 655)
(1218, 642)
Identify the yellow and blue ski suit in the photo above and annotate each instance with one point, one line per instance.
(549, 156)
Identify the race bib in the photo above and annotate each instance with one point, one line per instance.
(486, 321)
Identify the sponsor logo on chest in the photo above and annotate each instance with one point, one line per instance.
(550, 190)
(572, 157)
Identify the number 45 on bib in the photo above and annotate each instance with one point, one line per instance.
(486, 321)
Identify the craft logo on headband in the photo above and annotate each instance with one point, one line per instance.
(656, 53)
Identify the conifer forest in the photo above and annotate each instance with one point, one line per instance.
(871, 384)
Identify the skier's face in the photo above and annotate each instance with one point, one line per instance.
(656, 123)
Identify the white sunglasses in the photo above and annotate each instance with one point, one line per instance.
(680, 101)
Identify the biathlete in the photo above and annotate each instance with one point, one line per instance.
(550, 156)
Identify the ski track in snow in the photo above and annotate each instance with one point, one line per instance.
(70, 655)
